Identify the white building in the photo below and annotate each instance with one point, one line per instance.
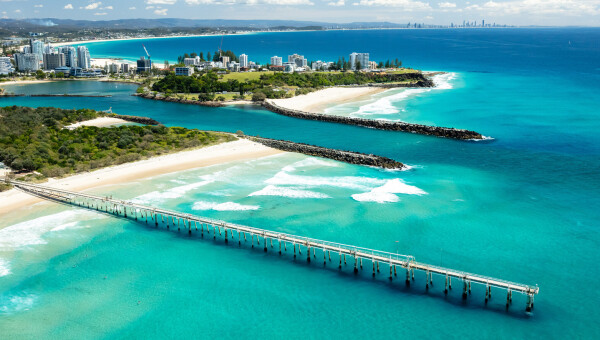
(372, 65)
(70, 55)
(37, 48)
(83, 57)
(321, 65)
(6, 66)
(124, 68)
(184, 71)
(362, 58)
(289, 67)
(113, 68)
(276, 61)
(27, 62)
(243, 60)
(190, 61)
(297, 59)
(53, 60)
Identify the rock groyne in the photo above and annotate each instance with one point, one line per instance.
(177, 100)
(376, 124)
(135, 119)
(338, 155)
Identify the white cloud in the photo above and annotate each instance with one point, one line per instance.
(38, 6)
(93, 5)
(446, 5)
(338, 3)
(539, 7)
(249, 2)
(149, 7)
(407, 5)
(108, 7)
(161, 11)
(17, 11)
(102, 13)
(132, 8)
(161, 2)
(69, 6)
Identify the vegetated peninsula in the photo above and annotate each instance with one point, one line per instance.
(38, 144)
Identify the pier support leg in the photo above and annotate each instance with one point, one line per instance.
(324, 258)
(391, 276)
(265, 246)
(378, 267)
(307, 254)
(450, 282)
(529, 305)
(427, 280)
(508, 298)
(487, 292)
(355, 265)
(464, 294)
(446, 286)
(279, 247)
(408, 276)
(344, 259)
(226, 239)
(329, 255)
(469, 287)
(361, 263)
(340, 266)
(373, 267)
(294, 250)
(395, 272)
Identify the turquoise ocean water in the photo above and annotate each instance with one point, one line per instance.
(523, 206)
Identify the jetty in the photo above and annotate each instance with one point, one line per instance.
(379, 260)
(427, 130)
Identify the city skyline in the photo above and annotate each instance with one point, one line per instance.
(511, 12)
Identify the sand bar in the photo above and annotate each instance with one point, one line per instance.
(319, 100)
(98, 122)
(238, 150)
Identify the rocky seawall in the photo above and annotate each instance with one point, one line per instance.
(376, 124)
(135, 119)
(338, 155)
(177, 100)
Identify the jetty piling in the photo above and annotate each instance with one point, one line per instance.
(109, 205)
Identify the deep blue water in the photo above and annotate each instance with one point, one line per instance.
(523, 206)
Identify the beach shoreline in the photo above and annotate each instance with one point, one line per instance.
(238, 150)
(318, 101)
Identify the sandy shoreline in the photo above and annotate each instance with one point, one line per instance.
(317, 101)
(238, 150)
(98, 122)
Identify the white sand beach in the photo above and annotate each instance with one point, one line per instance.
(98, 122)
(317, 101)
(238, 150)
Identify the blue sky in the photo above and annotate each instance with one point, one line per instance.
(516, 12)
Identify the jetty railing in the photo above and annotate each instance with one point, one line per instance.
(228, 230)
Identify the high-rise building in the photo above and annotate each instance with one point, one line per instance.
(225, 60)
(83, 57)
(362, 58)
(37, 48)
(113, 68)
(143, 65)
(70, 55)
(276, 61)
(184, 71)
(124, 68)
(298, 60)
(6, 66)
(243, 60)
(27, 62)
(53, 60)
(49, 49)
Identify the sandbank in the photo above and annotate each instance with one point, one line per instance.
(98, 122)
(317, 101)
(238, 150)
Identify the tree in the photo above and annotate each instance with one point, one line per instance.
(259, 97)
(358, 65)
(208, 56)
(206, 97)
(201, 56)
(166, 64)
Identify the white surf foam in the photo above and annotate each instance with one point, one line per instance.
(387, 192)
(4, 267)
(31, 232)
(176, 192)
(272, 190)
(227, 206)
(351, 182)
(309, 162)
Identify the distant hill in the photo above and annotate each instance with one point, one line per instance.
(52, 24)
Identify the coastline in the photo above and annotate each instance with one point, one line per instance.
(238, 150)
(318, 101)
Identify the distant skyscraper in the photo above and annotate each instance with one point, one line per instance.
(362, 58)
(276, 61)
(37, 48)
(298, 60)
(243, 60)
(83, 57)
(70, 55)
(53, 60)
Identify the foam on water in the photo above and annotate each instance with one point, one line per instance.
(176, 192)
(31, 232)
(386, 193)
(4, 267)
(272, 190)
(351, 182)
(227, 206)
(385, 105)
(16, 303)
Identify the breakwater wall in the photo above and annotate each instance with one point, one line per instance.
(376, 124)
(135, 119)
(338, 155)
(71, 95)
(178, 100)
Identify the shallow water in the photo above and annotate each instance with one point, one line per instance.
(523, 207)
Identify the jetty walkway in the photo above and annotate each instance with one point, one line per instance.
(312, 247)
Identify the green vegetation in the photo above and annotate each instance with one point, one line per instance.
(35, 140)
(275, 84)
(5, 187)
(245, 76)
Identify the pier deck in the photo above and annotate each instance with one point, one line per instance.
(326, 248)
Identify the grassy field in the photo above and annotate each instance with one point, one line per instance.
(244, 76)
